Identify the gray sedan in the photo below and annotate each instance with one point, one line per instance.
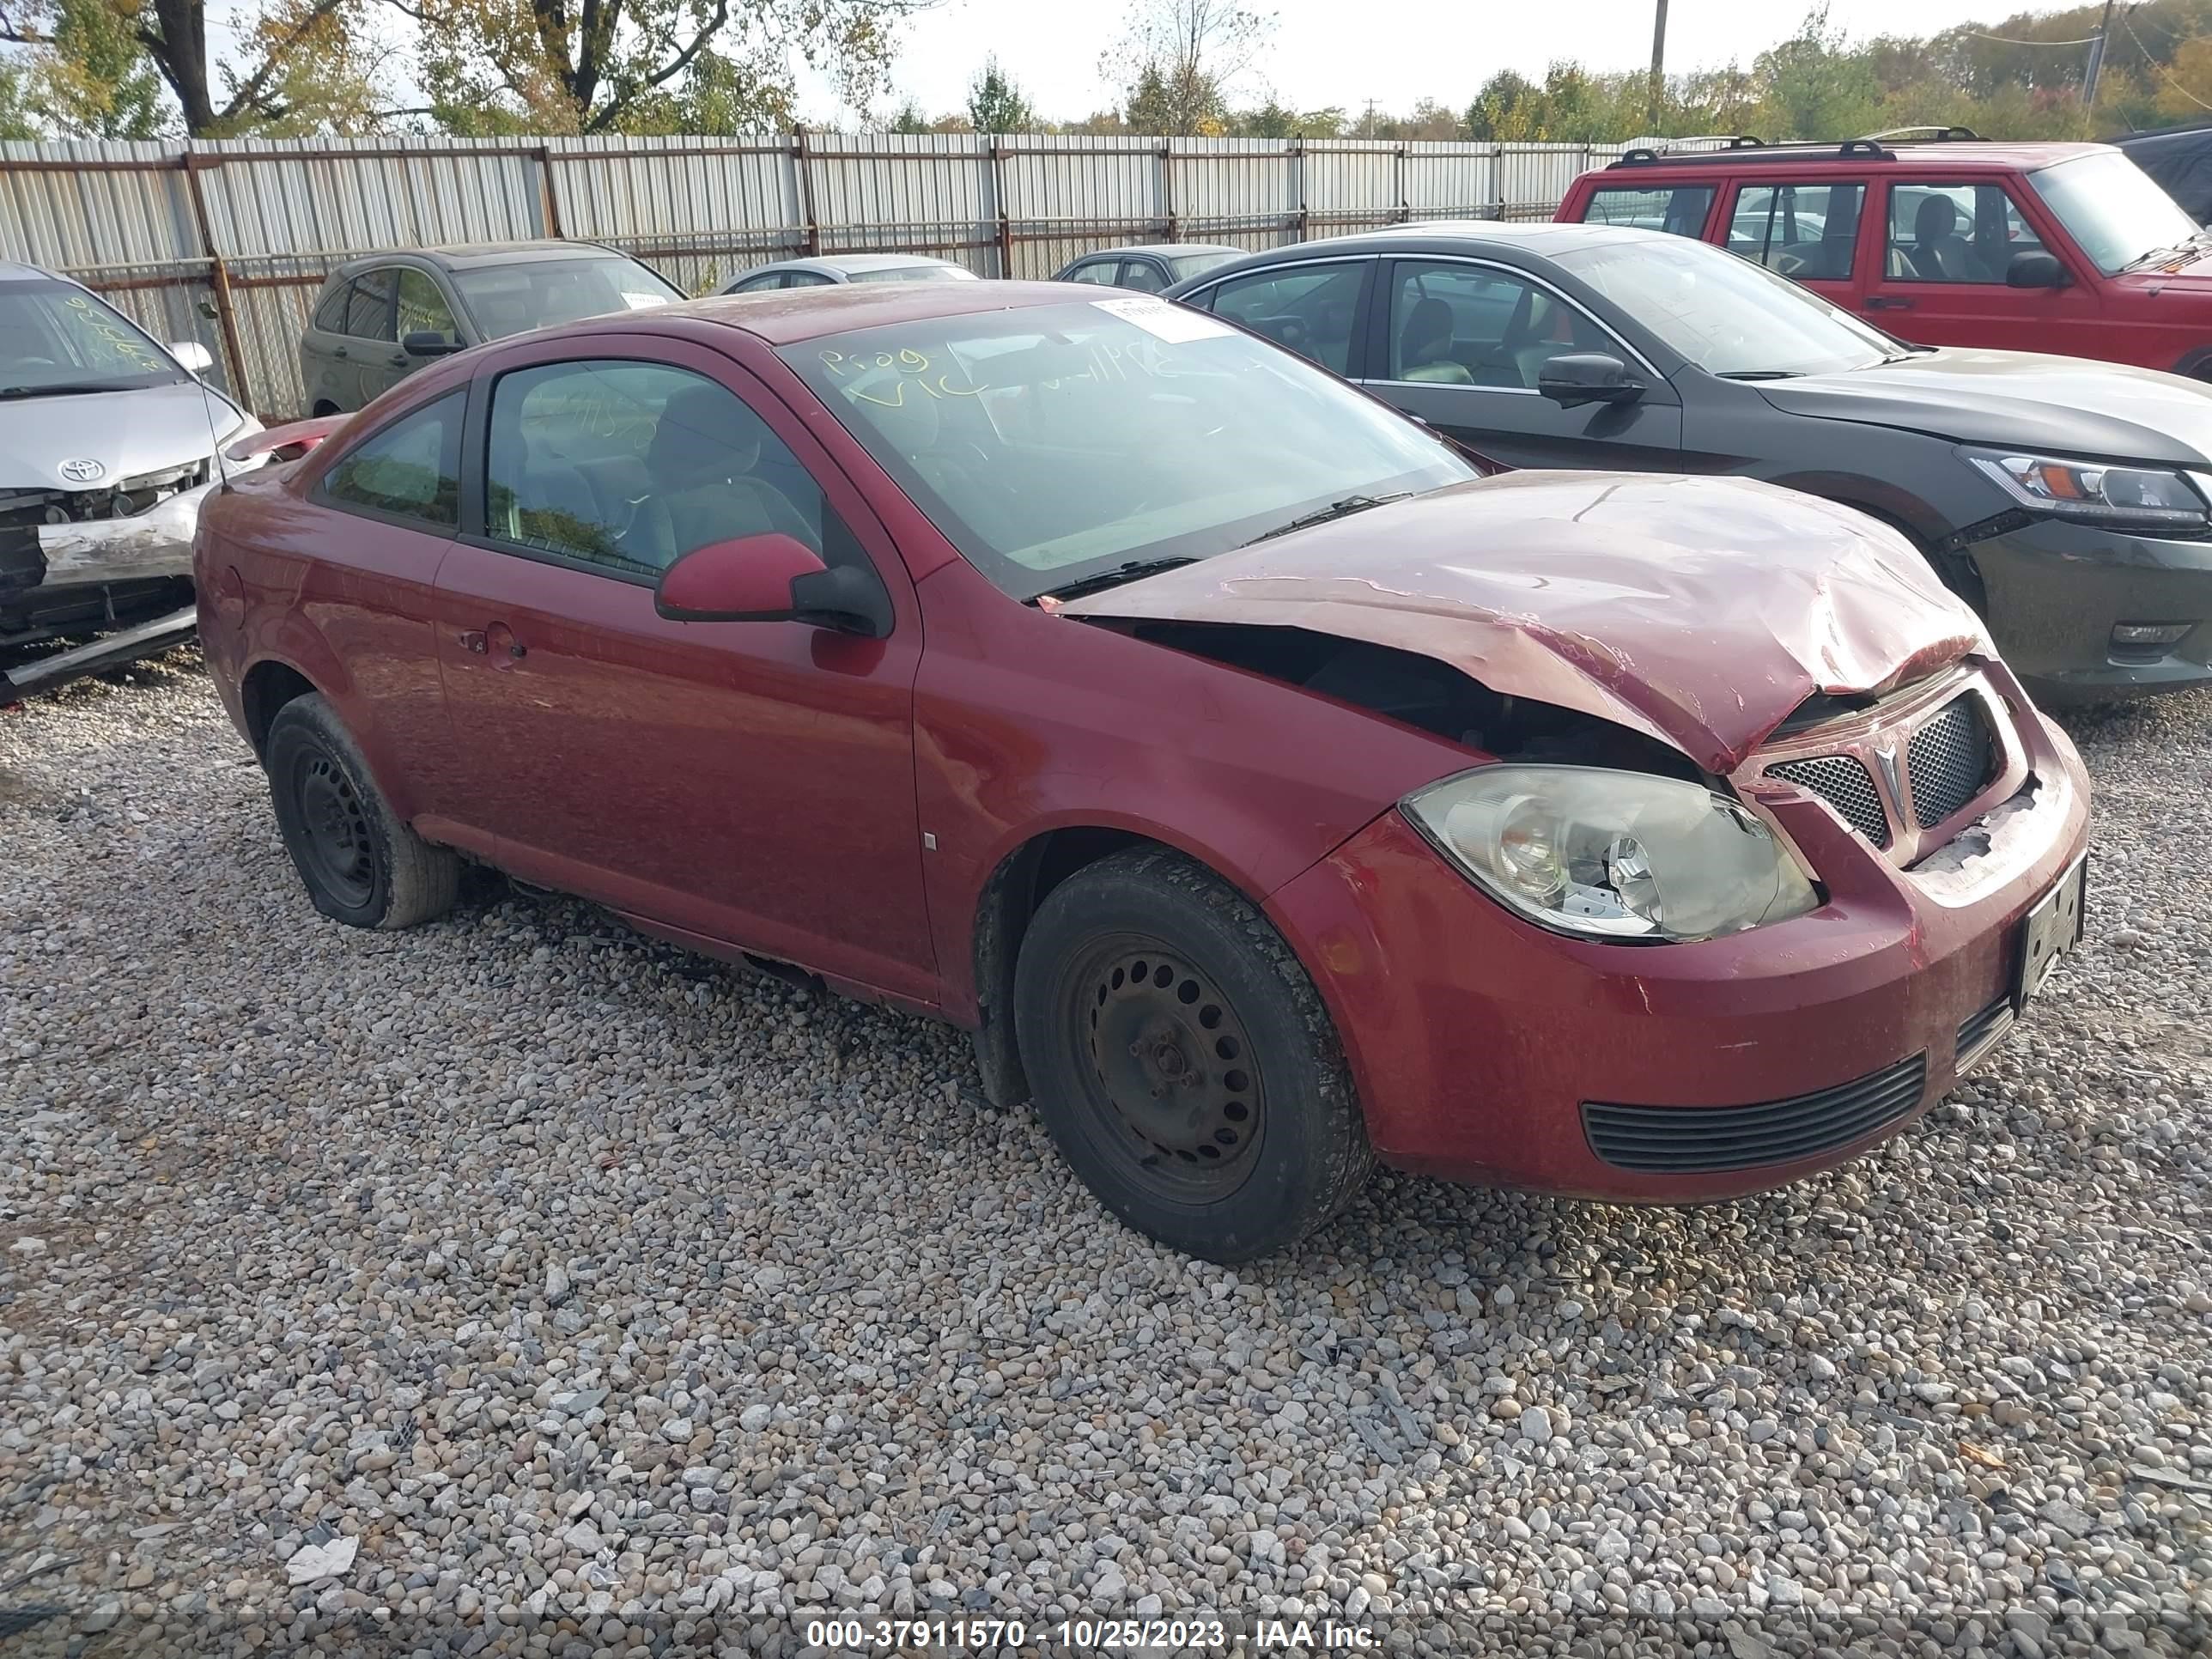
(2067, 501)
(108, 443)
(831, 268)
(1150, 267)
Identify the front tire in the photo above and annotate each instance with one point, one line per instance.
(1182, 1061)
(361, 864)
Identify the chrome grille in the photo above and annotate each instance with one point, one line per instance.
(1846, 785)
(1952, 760)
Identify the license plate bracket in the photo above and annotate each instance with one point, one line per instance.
(2050, 929)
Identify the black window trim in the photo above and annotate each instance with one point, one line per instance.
(1379, 338)
(476, 447)
(1362, 315)
(321, 496)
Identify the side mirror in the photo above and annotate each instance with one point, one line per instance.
(194, 358)
(772, 578)
(2037, 271)
(1588, 377)
(428, 342)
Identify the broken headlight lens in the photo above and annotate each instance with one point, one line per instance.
(1613, 855)
(2085, 489)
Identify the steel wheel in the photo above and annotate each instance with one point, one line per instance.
(1178, 1093)
(335, 822)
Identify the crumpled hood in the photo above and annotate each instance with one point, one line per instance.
(1700, 612)
(126, 434)
(2021, 400)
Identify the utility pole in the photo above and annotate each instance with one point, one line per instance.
(2096, 63)
(1657, 95)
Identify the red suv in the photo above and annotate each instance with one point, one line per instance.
(2067, 248)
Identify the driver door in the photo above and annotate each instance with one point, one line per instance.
(748, 784)
(1459, 343)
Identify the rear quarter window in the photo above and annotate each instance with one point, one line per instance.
(1680, 209)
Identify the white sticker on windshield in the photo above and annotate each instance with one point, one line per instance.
(644, 301)
(1174, 323)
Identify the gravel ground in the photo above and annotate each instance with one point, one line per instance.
(593, 1298)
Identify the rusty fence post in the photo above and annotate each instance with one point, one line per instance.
(225, 311)
(999, 201)
(549, 194)
(805, 191)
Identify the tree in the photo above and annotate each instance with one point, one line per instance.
(995, 104)
(1507, 111)
(1176, 60)
(1816, 87)
(591, 66)
(1271, 120)
(300, 63)
(908, 117)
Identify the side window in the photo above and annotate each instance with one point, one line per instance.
(411, 468)
(1964, 233)
(368, 313)
(805, 279)
(1143, 275)
(630, 465)
(422, 307)
(1311, 308)
(1800, 230)
(761, 283)
(1098, 271)
(1680, 209)
(1476, 325)
(330, 314)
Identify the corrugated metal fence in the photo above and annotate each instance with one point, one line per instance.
(226, 242)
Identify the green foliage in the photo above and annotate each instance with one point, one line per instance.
(995, 104)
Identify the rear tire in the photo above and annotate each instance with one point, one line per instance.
(359, 862)
(1182, 1061)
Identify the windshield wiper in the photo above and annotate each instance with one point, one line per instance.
(1098, 580)
(1343, 509)
(59, 389)
(1761, 374)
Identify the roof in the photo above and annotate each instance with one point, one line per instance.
(850, 262)
(1545, 237)
(784, 316)
(15, 271)
(1981, 152)
(1165, 250)
(464, 256)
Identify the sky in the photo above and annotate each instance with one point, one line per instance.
(1326, 53)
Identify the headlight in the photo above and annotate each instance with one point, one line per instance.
(2085, 489)
(1615, 856)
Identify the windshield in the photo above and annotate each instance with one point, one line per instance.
(1197, 265)
(1724, 313)
(915, 274)
(1051, 443)
(2113, 209)
(56, 335)
(507, 299)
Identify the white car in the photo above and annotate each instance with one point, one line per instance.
(108, 444)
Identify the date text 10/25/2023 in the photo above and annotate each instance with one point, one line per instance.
(1091, 1635)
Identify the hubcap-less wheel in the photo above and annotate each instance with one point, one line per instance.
(336, 841)
(1179, 1093)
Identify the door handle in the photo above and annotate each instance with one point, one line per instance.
(474, 643)
(337, 351)
(1887, 302)
(397, 360)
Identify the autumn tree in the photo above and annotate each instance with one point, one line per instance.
(1176, 60)
(595, 66)
(298, 65)
(995, 104)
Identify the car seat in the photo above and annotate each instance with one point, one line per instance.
(698, 468)
(1939, 253)
(1425, 345)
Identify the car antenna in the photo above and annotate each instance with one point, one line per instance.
(207, 414)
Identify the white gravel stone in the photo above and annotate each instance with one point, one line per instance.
(549, 1267)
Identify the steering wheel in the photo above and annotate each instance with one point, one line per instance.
(1789, 263)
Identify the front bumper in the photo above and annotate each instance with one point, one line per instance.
(1478, 1042)
(2056, 591)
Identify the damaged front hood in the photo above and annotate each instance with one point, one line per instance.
(1700, 612)
(93, 441)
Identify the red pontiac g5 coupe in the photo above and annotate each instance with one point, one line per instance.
(1267, 790)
